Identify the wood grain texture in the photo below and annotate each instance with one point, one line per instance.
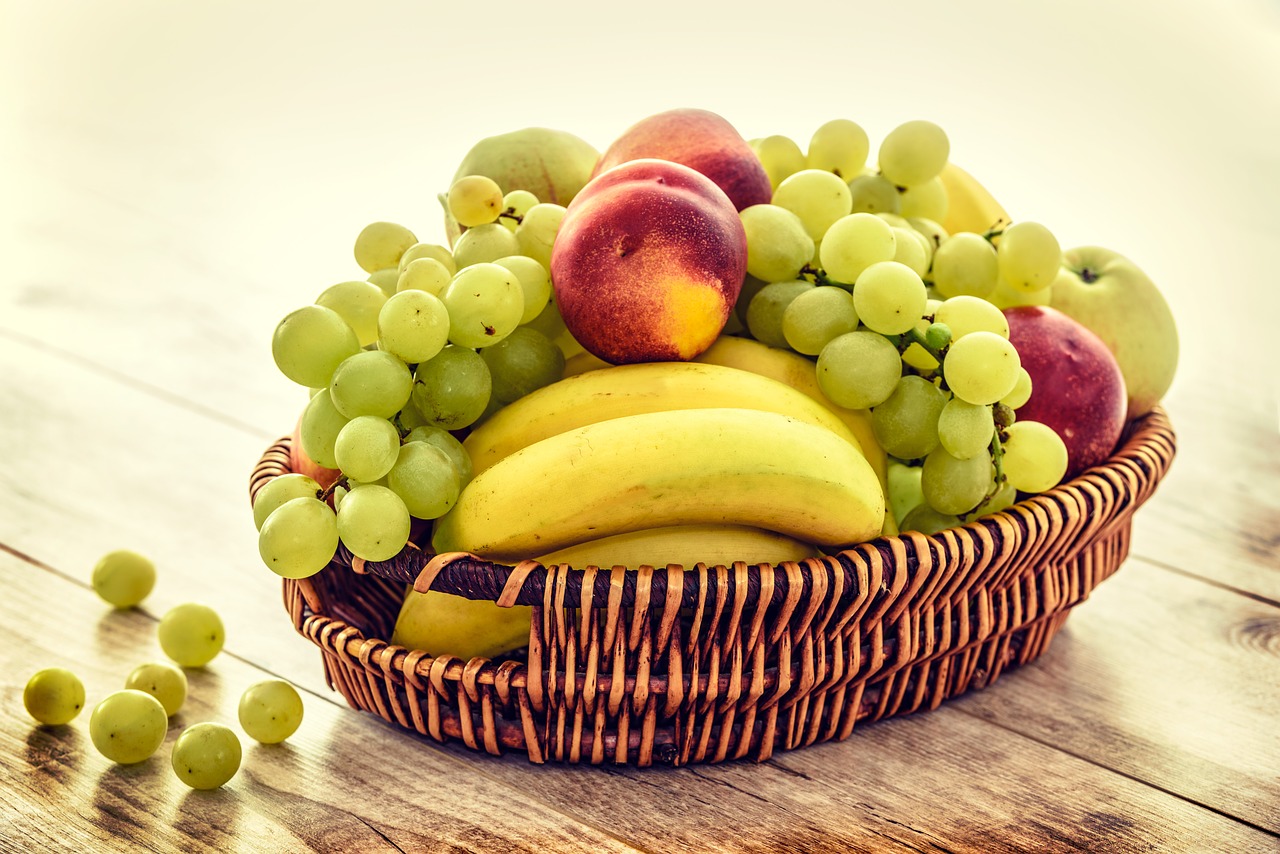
(343, 782)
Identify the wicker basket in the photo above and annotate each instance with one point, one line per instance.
(712, 663)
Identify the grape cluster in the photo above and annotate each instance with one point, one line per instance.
(435, 340)
(849, 264)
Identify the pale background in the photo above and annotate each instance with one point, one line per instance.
(1147, 127)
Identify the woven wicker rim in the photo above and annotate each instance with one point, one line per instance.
(917, 619)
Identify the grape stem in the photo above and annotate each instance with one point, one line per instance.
(819, 277)
(510, 213)
(997, 228)
(325, 494)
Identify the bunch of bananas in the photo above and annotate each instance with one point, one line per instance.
(736, 456)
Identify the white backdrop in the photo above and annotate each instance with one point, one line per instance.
(1149, 127)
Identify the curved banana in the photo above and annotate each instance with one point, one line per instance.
(686, 545)
(698, 466)
(582, 362)
(969, 206)
(631, 390)
(444, 624)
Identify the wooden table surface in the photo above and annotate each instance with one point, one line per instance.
(174, 178)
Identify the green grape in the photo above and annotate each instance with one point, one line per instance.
(373, 522)
(819, 198)
(839, 146)
(424, 274)
(981, 367)
(927, 200)
(54, 696)
(367, 448)
(310, 343)
(902, 488)
(381, 244)
(358, 304)
(413, 325)
(853, 243)
(280, 489)
(965, 429)
(206, 755)
(453, 388)
(321, 422)
(1003, 415)
(475, 200)
(889, 297)
(514, 206)
(371, 383)
(816, 316)
(954, 486)
(780, 156)
(537, 232)
(911, 250)
(166, 683)
(859, 370)
(1004, 497)
(270, 711)
(192, 634)
(777, 243)
(484, 244)
(925, 520)
(1021, 392)
(428, 250)
(894, 220)
(871, 193)
(485, 304)
(549, 322)
(385, 280)
(930, 230)
(523, 361)
(426, 480)
(906, 423)
(128, 726)
(915, 355)
(535, 284)
(1035, 457)
(767, 307)
(965, 263)
(914, 153)
(445, 441)
(1029, 257)
(124, 578)
(750, 287)
(937, 335)
(965, 314)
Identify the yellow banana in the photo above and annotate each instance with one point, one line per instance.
(444, 624)
(686, 545)
(698, 466)
(581, 362)
(969, 206)
(747, 354)
(630, 390)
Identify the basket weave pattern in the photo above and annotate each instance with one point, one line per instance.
(708, 664)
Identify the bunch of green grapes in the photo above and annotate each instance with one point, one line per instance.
(849, 264)
(435, 340)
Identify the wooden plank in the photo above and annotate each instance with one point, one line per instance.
(104, 465)
(1165, 679)
(342, 782)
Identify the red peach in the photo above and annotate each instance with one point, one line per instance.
(1076, 385)
(701, 140)
(648, 263)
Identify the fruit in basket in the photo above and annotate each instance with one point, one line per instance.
(970, 206)
(300, 461)
(1077, 388)
(702, 466)
(1110, 295)
(633, 389)
(552, 164)
(648, 263)
(443, 624)
(298, 538)
(702, 141)
(686, 545)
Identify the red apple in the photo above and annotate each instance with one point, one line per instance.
(704, 142)
(302, 464)
(1076, 385)
(648, 263)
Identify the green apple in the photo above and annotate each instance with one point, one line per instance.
(1109, 294)
(552, 164)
